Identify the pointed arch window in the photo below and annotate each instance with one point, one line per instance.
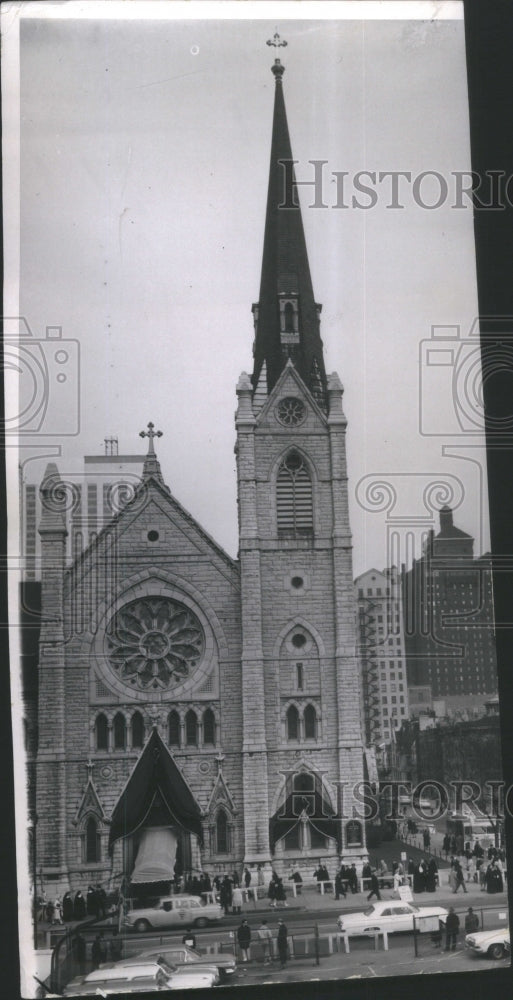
(294, 504)
(92, 848)
(209, 728)
(119, 730)
(292, 723)
(310, 723)
(222, 831)
(137, 730)
(191, 729)
(173, 729)
(101, 732)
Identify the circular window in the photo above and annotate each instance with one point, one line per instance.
(153, 536)
(291, 411)
(154, 643)
(299, 640)
(297, 582)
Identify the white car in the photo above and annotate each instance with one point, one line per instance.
(174, 911)
(142, 978)
(494, 944)
(182, 955)
(387, 915)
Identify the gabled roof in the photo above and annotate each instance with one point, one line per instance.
(155, 773)
(290, 371)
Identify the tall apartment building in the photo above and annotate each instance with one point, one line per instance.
(88, 500)
(448, 616)
(382, 656)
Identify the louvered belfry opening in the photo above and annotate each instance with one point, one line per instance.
(294, 498)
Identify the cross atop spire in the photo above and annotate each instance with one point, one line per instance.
(277, 43)
(150, 433)
(151, 467)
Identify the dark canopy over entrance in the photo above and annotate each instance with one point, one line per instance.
(304, 796)
(155, 776)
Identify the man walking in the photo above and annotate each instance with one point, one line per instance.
(265, 938)
(471, 921)
(283, 944)
(244, 939)
(374, 887)
(452, 926)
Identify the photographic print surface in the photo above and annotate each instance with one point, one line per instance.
(255, 664)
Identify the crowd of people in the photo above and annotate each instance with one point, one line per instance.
(77, 907)
(474, 864)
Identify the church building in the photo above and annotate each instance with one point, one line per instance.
(199, 712)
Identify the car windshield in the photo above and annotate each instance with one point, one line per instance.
(368, 911)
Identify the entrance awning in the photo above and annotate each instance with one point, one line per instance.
(155, 774)
(156, 856)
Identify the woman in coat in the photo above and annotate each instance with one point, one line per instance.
(431, 875)
(67, 906)
(79, 906)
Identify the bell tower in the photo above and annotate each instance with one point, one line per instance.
(300, 676)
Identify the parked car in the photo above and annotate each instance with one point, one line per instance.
(387, 916)
(142, 978)
(494, 944)
(174, 911)
(184, 955)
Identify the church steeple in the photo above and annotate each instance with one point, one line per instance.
(286, 315)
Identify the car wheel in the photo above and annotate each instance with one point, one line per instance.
(142, 925)
(496, 951)
(201, 922)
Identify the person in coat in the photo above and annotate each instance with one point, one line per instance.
(352, 878)
(271, 892)
(79, 906)
(339, 885)
(247, 877)
(244, 940)
(281, 898)
(471, 921)
(432, 872)
(57, 912)
(226, 894)
(265, 938)
(91, 902)
(374, 887)
(452, 926)
(67, 906)
(460, 878)
(283, 944)
(237, 899)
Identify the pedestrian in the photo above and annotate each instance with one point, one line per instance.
(446, 844)
(244, 940)
(98, 951)
(374, 886)
(101, 901)
(226, 894)
(260, 876)
(353, 879)
(431, 877)
(271, 892)
(79, 906)
(296, 877)
(460, 878)
(265, 938)
(49, 911)
(281, 899)
(452, 926)
(471, 921)
(339, 885)
(91, 902)
(189, 938)
(283, 944)
(247, 877)
(67, 906)
(57, 912)
(237, 899)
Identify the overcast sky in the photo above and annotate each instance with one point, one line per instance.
(144, 163)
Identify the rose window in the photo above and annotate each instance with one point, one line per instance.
(291, 411)
(154, 642)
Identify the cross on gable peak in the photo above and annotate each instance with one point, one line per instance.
(150, 434)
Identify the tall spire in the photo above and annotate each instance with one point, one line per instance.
(286, 315)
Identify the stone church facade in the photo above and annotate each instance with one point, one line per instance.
(182, 690)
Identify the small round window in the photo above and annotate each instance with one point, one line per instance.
(297, 582)
(291, 411)
(153, 536)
